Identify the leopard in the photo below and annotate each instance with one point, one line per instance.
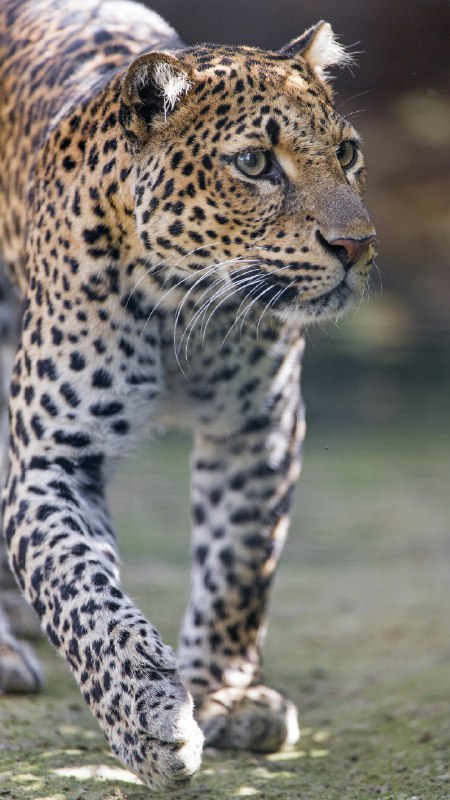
(173, 217)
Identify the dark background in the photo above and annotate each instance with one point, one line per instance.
(391, 356)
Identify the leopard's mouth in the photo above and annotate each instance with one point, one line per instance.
(282, 297)
(332, 302)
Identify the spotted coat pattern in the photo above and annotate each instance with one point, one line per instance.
(159, 281)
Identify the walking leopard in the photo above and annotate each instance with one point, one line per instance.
(173, 217)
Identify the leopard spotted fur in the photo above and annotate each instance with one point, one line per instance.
(165, 275)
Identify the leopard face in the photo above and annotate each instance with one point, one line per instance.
(248, 178)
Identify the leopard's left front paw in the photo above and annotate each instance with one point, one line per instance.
(19, 668)
(256, 718)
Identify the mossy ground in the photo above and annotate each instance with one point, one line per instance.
(358, 637)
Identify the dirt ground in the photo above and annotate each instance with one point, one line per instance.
(359, 635)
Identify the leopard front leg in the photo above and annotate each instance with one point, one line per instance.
(242, 481)
(62, 551)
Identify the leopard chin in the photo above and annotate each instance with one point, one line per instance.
(287, 305)
(329, 305)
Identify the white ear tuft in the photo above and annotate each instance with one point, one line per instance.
(172, 83)
(152, 86)
(325, 51)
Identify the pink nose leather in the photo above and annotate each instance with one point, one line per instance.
(354, 248)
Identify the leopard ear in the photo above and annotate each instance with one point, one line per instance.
(153, 85)
(320, 49)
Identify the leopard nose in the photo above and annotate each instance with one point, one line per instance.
(350, 250)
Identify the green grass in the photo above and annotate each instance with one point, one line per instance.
(359, 634)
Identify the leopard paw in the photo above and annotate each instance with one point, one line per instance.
(143, 708)
(256, 718)
(22, 619)
(19, 669)
(160, 741)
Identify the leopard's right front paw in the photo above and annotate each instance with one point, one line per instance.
(155, 734)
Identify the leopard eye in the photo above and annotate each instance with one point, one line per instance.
(346, 154)
(254, 163)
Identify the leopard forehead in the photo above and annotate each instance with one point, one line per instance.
(232, 99)
(227, 100)
(243, 80)
(218, 61)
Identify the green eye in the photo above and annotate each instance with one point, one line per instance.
(347, 154)
(254, 163)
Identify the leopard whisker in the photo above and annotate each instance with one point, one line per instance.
(154, 269)
(271, 302)
(208, 271)
(245, 299)
(220, 280)
(211, 298)
(248, 280)
(250, 306)
(178, 314)
(195, 250)
(191, 323)
(242, 303)
(287, 266)
(379, 273)
(248, 271)
(145, 274)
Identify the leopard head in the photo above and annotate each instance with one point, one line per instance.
(247, 177)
